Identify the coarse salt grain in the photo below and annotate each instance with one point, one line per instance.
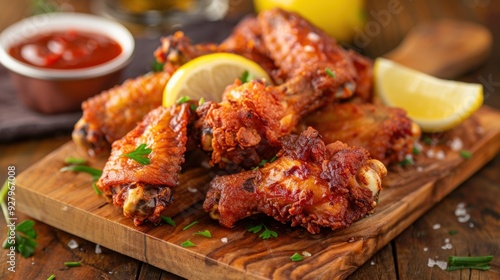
(306, 254)
(440, 155)
(441, 264)
(372, 263)
(98, 249)
(456, 144)
(312, 36)
(430, 153)
(463, 219)
(471, 225)
(205, 164)
(419, 169)
(436, 226)
(72, 244)
(223, 240)
(426, 249)
(193, 190)
(308, 48)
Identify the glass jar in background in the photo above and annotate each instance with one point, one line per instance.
(339, 18)
(164, 12)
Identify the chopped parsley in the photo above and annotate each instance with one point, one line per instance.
(246, 77)
(168, 220)
(453, 232)
(72, 264)
(157, 66)
(75, 161)
(190, 225)
(183, 99)
(465, 154)
(205, 233)
(187, 243)
(296, 257)
(266, 234)
(140, 154)
(330, 72)
(415, 151)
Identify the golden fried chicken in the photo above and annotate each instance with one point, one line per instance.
(143, 190)
(309, 184)
(111, 114)
(386, 133)
(302, 51)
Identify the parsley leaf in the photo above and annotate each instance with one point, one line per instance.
(190, 225)
(296, 257)
(246, 77)
(183, 99)
(157, 66)
(330, 72)
(205, 233)
(168, 220)
(187, 243)
(266, 234)
(465, 154)
(140, 154)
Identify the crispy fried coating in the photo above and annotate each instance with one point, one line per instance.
(143, 191)
(302, 51)
(309, 185)
(111, 114)
(386, 133)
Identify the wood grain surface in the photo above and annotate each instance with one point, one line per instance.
(405, 257)
(56, 198)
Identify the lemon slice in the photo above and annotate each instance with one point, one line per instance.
(434, 104)
(207, 76)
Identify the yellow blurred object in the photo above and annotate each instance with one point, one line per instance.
(207, 77)
(434, 104)
(338, 18)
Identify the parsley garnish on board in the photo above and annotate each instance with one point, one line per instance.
(296, 257)
(140, 154)
(458, 262)
(187, 243)
(190, 225)
(168, 220)
(266, 234)
(205, 233)
(79, 165)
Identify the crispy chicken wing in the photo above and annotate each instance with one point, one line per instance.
(110, 115)
(144, 190)
(386, 133)
(310, 184)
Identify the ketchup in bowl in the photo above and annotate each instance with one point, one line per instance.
(70, 49)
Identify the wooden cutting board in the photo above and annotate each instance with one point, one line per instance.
(68, 202)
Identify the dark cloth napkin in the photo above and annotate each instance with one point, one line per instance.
(18, 122)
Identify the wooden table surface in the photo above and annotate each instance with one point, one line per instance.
(406, 257)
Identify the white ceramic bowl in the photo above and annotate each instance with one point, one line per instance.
(56, 91)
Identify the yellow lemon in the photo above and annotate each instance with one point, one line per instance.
(207, 76)
(338, 18)
(434, 104)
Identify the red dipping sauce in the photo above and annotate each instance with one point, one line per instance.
(66, 50)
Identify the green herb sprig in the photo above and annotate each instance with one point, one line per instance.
(187, 243)
(205, 233)
(266, 234)
(168, 220)
(95, 173)
(459, 262)
(296, 257)
(246, 77)
(329, 72)
(140, 154)
(72, 264)
(190, 225)
(24, 241)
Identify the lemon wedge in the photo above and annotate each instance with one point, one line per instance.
(208, 75)
(434, 104)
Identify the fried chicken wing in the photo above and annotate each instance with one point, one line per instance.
(144, 190)
(386, 133)
(111, 114)
(310, 184)
(302, 51)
